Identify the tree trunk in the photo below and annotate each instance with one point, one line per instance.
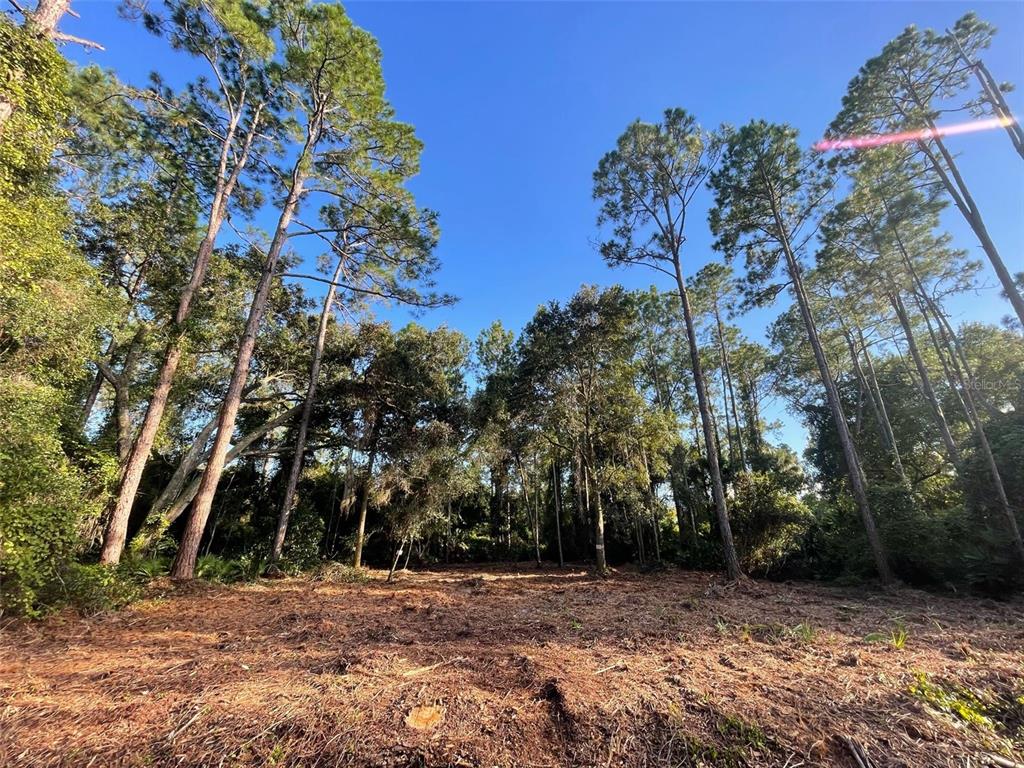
(752, 413)
(184, 563)
(600, 562)
(964, 201)
(653, 504)
(408, 554)
(556, 491)
(854, 472)
(364, 501)
(157, 520)
(532, 510)
(994, 96)
(307, 411)
(394, 562)
(729, 389)
(95, 388)
(881, 412)
(131, 473)
(952, 452)
(732, 562)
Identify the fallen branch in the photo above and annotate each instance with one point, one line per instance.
(421, 670)
(858, 752)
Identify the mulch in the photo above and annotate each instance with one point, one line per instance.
(512, 666)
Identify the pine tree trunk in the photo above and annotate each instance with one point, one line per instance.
(854, 472)
(394, 561)
(752, 414)
(964, 201)
(364, 503)
(408, 555)
(157, 520)
(184, 563)
(732, 563)
(652, 502)
(600, 561)
(131, 472)
(952, 452)
(881, 412)
(96, 387)
(532, 510)
(677, 504)
(307, 411)
(556, 491)
(729, 389)
(994, 96)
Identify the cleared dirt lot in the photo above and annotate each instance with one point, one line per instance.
(505, 666)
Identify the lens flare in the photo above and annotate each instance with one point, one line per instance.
(881, 139)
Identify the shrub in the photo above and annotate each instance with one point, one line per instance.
(339, 573)
(41, 496)
(93, 588)
(221, 570)
(768, 522)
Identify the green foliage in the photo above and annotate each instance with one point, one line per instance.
(896, 637)
(33, 86)
(955, 700)
(768, 522)
(51, 305)
(41, 494)
(341, 573)
(92, 588)
(305, 534)
(222, 570)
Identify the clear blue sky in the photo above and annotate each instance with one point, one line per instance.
(516, 102)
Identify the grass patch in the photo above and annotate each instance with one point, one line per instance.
(802, 633)
(896, 637)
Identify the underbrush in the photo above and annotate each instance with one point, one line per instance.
(90, 588)
(731, 742)
(339, 573)
(223, 570)
(997, 711)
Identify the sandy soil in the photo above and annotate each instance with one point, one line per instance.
(499, 666)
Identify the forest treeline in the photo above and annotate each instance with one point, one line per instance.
(183, 392)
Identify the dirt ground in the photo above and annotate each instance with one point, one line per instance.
(506, 666)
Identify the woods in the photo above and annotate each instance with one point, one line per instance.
(193, 370)
(663, 440)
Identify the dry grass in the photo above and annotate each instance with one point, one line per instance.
(490, 666)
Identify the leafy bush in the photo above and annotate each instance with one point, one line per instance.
(93, 588)
(222, 570)
(305, 533)
(147, 569)
(768, 522)
(51, 304)
(42, 496)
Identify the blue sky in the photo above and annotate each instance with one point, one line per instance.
(516, 103)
